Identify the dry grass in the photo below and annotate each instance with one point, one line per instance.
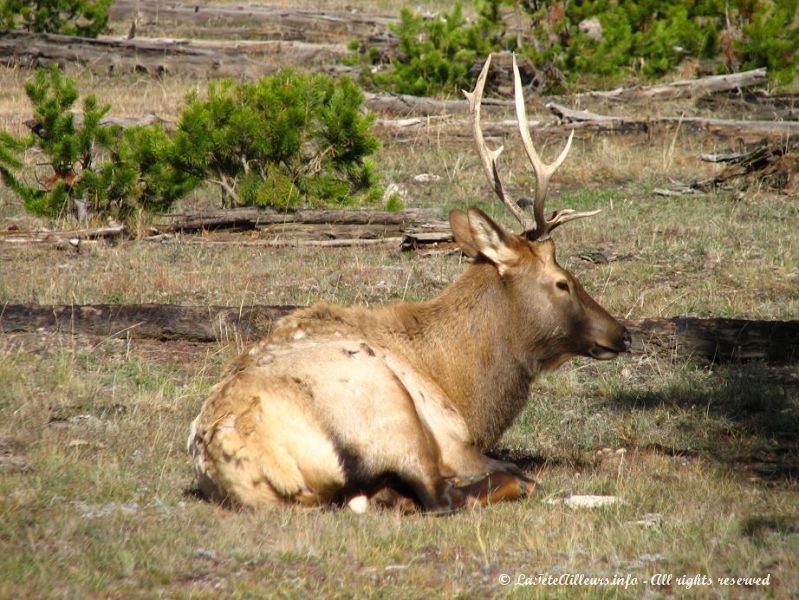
(95, 486)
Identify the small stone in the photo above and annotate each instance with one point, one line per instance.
(585, 501)
(426, 177)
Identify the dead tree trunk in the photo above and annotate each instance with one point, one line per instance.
(688, 88)
(720, 127)
(240, 59)
(251, 218)
(250, 20)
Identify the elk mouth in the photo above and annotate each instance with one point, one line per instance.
(603, 352)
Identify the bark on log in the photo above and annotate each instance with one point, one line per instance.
(251, 218)
(687, 88)
(123, 122)
(44, 237)
(720, 127)
(768, 165)
(704, 340)
(434, 130)
(756, 104)
(240, 59)
(285, 242)
(255, 21)
(402, 104)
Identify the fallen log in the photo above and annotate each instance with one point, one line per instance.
(240, 59)
(413, 105)
(684, 338)
(756, 104)
(720, 127)
(284, 242)
(403, 104)
(582, 122)
(688, 88)
(252, 218)
(154, 17)
(123, 122)
(45, 237)
(768, 165)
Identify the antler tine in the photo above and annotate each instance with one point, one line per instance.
(543, 171)
(489, 157)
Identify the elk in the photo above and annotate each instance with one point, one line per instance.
(339, 403)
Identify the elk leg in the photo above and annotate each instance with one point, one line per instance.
(497, 487)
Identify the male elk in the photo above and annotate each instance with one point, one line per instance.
(340, 402)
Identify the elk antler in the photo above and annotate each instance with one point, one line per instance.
(489, 157)
(541, 227)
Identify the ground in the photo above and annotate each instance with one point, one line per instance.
(97, 497)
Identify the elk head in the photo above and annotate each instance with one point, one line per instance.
(566, 320)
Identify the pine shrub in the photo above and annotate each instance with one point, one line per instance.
(638, 38)
(85, 18)
(109, 171)
(285, 140)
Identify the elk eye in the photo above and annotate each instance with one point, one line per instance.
(563, 285)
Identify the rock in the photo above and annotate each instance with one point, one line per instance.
(586, 501)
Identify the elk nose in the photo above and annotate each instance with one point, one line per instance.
(627, 339)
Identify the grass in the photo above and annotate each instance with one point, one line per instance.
(96, 491)
(106, 506)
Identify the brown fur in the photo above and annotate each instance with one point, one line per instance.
(343, 401)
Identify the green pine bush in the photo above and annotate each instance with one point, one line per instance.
(434, 55)
(771, 39)
(85, 18)
(639, 37)
(113, 172)
(285, 140)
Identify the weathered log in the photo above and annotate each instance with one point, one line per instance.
(256, 21)
(286, 242)
(402, 104)
(688, 88)
(45, 237)
(252, 218)
(686, 338)
(720, 127)
(123, 122)
(582, 122)
(416, 240)
(412, 105)
(241, 59)
(756, 104)
(771, 165)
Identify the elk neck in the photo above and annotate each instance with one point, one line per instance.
(470, 340)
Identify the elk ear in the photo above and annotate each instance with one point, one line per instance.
(491, 240)
(459, 223)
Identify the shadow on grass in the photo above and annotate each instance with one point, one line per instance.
(745, 416)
